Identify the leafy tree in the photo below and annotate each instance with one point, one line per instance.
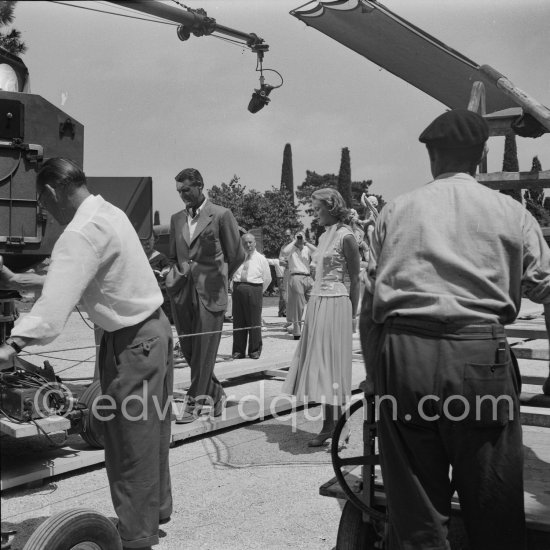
(313, 182)
(316, 181)
(280, 214)
(344, 177)
(10, 40)
(230, 195)
(287, 176)
(510, 162)
(534, 198)
(273, 211)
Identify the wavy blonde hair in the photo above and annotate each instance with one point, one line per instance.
(334, 203)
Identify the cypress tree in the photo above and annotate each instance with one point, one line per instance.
(344, 177)
(287, 177)
(510, 162)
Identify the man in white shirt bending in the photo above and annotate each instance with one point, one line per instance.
(249, 283)
(98, 261)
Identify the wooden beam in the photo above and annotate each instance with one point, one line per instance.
(515, 180)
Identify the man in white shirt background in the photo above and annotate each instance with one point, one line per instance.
(298, 254)
(249, 283)
(98, 261)
(283, 282)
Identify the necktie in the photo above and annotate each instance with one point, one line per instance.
(244, 274)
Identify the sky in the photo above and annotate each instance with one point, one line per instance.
(152, 105)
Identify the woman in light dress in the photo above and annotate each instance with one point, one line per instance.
(321, 368)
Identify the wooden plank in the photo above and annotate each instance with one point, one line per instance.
(524, 329)
(532, 349)
(51, 463)
(535, 416)
(49, 425)
(238, 368)
(515, 180)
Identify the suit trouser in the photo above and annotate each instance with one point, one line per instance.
(136, 372)
(247, 312)
(419, 442)
(191, 317)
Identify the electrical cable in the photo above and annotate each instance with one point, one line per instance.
(82, 317)
(130, 10)
(114, 13)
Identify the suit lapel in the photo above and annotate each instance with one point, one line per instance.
(205, 217)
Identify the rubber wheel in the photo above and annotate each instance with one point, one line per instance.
(92, 428)
(354, 533)
(79, 529)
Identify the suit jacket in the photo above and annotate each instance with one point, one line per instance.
(210, 258)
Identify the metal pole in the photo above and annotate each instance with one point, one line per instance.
(186, 18)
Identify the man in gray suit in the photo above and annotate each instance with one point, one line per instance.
(205, 250)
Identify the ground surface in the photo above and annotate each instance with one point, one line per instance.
(247, 488)
(252, 487)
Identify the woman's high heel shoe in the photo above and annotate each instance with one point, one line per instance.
(319, 439)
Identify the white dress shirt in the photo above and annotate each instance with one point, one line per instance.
(255, 270)
(193, 220)
(99, 261)
(299, 259)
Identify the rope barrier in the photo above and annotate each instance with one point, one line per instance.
(178, 336)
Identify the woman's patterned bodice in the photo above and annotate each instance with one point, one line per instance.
(331, 273)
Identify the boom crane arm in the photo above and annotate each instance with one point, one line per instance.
(196, 21)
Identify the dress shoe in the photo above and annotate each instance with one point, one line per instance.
(162, 521)
(254, 355)
(190, 412)
(237, 356)
(296, 337)
(186, 417)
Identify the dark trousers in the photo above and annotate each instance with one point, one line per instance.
(136, 373)
(247, 312)
(191, 317)
(484, 448)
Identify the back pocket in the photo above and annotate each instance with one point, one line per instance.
(489, 391)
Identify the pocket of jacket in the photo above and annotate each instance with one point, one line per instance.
(490, 394)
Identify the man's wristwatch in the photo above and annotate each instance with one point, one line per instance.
(11, 342)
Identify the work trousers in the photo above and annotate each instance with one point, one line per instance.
(299, 292)
(282, 283)
(136, 374)
(459, 372)
(191, 317)
(247, 312)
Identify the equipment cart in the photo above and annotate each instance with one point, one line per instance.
(364, 520)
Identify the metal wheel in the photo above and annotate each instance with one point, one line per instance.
(79, 529)
(338, 463)
(92, 428)
(356, 534)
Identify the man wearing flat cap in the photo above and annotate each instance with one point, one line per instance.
(449, 264)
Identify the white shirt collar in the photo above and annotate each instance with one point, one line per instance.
(199, 209)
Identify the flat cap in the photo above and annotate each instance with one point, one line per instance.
(456, 129)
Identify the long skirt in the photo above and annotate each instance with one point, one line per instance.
(321, 367)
